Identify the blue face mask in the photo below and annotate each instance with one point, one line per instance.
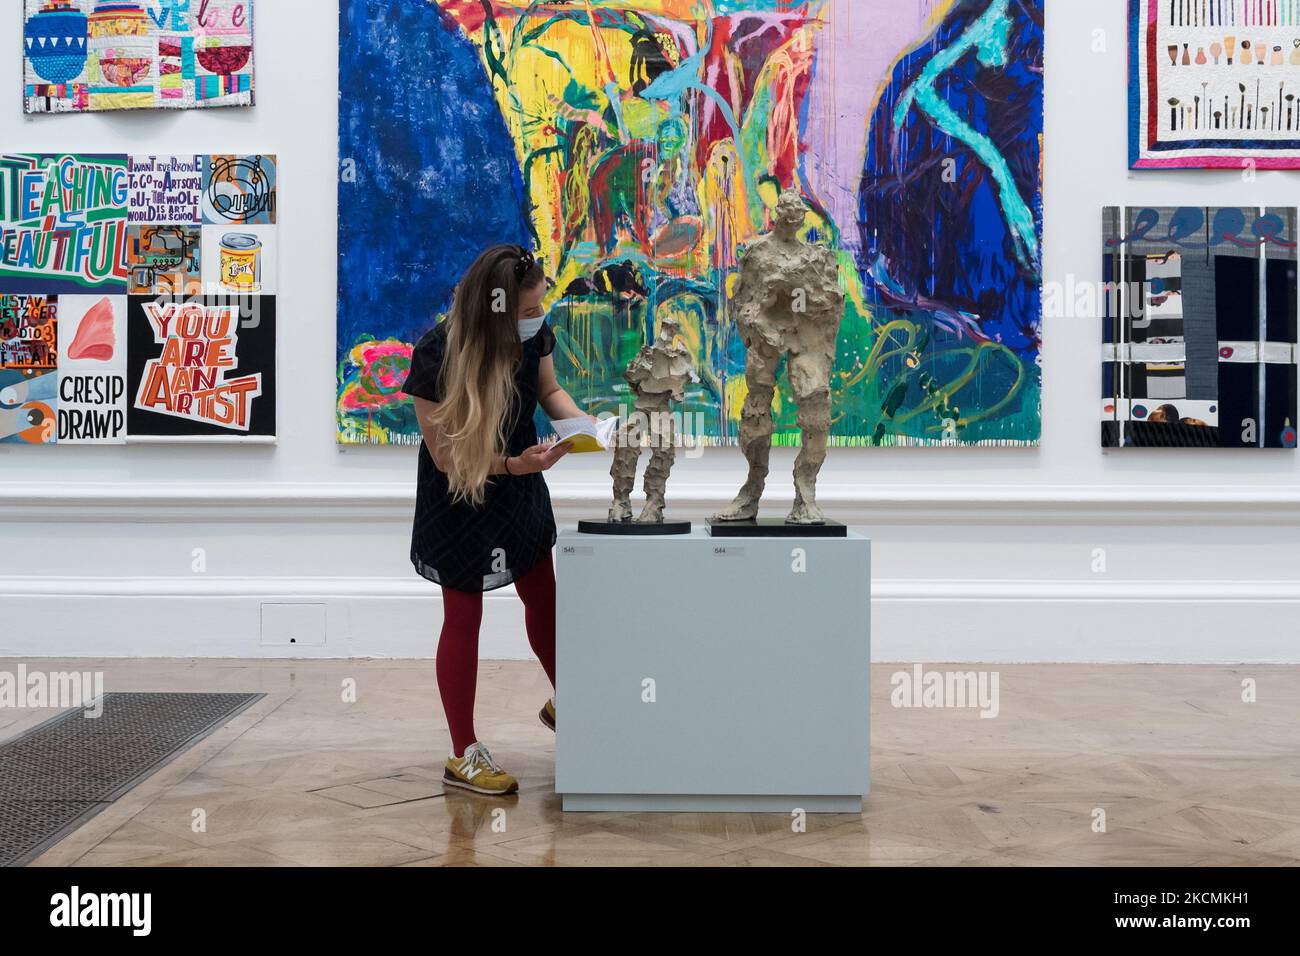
(530, 327)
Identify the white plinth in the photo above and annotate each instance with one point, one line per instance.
(699, 673)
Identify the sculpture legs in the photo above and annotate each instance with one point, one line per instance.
(662, 455)
(663, 434)
(756, 443)
(662, 429)
(656, 481)
(815, 424)
(623, 471)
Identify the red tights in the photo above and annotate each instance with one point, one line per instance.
(457, 662)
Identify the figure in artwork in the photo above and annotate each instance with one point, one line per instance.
(658, 377)
(788, 304)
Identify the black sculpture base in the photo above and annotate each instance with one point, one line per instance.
(634, 527)
(775, 528)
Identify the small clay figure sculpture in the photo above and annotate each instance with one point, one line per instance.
(788, 303)
(658, 376)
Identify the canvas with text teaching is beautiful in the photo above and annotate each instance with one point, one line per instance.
(137, 298)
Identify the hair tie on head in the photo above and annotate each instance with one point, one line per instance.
(526, 263)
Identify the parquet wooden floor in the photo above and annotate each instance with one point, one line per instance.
(1083, 764)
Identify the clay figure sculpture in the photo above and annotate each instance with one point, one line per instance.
(787, 303)
(658, 376)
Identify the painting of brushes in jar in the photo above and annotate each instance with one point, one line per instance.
(1214, 84)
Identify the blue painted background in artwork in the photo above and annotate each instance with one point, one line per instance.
(436, 174)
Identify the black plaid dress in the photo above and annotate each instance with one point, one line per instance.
(484, 547)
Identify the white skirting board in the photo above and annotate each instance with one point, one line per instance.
(913, 621)
(961, 573)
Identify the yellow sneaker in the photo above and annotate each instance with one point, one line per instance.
(547, 713)
(477, 771)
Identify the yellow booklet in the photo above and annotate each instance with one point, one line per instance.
(584, 435)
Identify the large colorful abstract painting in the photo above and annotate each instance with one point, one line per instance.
(1200, 327)
(137, 298)
(83, 55)
(1214, 84)
(639, 146)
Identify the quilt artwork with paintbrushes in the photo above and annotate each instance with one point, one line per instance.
(1214, 84)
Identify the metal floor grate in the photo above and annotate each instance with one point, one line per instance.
(58, 774)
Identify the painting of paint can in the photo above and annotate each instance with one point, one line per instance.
(241, 262)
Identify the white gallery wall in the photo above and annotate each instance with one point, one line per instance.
(1061, 553)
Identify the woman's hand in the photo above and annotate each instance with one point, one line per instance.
(538, 458)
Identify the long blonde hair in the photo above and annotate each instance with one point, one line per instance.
(477, 378)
